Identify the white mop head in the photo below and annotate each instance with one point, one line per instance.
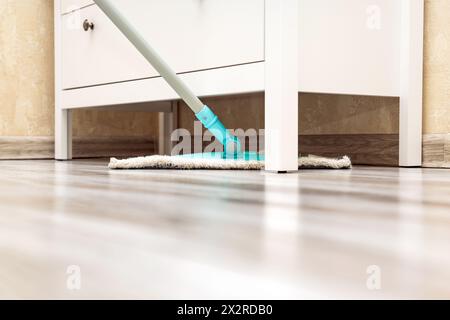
(180, 163)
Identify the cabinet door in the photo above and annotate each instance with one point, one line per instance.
(191, 35)
(350, 46)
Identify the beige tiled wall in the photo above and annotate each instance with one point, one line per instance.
(437, 67)
(26, 87)
(26, 80)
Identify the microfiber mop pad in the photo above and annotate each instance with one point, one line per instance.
(180, 163)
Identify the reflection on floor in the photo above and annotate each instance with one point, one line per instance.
(362, 233)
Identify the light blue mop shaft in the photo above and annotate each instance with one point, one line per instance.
(202, 112)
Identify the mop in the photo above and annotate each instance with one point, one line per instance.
(232, 157)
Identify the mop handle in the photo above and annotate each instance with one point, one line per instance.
(202, 112)
(151, 55)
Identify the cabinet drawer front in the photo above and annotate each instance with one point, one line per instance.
(190, 34)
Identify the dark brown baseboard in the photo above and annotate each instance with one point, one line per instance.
(364, 149)
(26, 148)
(113, 147)
(376, 149)
(43, 147)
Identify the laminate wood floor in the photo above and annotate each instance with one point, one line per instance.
(362, 233)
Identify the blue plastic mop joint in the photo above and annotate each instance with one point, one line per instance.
(211, 122)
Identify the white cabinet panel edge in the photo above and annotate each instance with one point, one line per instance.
(73, 5)
(411, 80)
(63, 118)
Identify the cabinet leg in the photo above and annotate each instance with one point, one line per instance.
(167, 124)
(63, 135)
(281, 98)
(411, 99)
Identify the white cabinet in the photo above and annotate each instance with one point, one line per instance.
(219, 47)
